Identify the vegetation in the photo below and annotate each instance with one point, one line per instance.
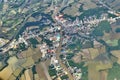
(15, 4)
(52, 72)
(22, 46)
(111, 15)
(80, 65)
(115, 47)
(72, 46)
(1, 5)
(91, 12)
(81, 8)
(64, 77)
(114, 72)
(117, 30)
(34, 42)
(48, 42)
(62, 56)
(70, 17)
(51, 66)
(77, 45)
(70, 55)
(109, 47)
(102, 26)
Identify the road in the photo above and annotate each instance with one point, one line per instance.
(105, 5)
(58, 51)
(22, 25)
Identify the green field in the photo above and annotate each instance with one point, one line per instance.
(112, 42)
(114, 72)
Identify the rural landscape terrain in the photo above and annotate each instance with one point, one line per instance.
(59, 39)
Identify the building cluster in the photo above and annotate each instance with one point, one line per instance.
(59, 70)
(64, 32)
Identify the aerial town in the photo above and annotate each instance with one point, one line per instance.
(59, 40)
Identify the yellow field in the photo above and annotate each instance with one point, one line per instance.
(93, 74)
(104, 74)
(93, 52)
(40, 72)
(27, 76)
(6, 73)
(102, 49)
(73, 10)
(30, 52)
(116, 53)
(97, 70)
(22, 77)
(12, 62)
(29, 62)
(88, 4)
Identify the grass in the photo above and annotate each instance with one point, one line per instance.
(112, 42)
(114, 72)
